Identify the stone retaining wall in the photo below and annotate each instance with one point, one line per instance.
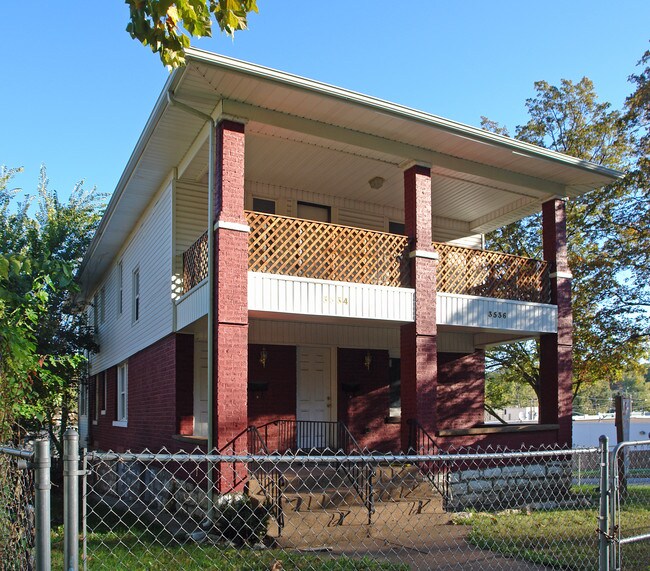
(500, 487)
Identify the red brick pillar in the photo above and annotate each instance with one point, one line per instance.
(230, 324)
(556, 349)
(418, 340)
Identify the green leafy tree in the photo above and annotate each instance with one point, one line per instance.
(46, 335)
(167, 25)
(609, 330)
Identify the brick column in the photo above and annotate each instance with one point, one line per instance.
(555, 349)
(418, 340)
(230, 293)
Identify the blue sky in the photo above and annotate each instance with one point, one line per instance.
(77, 90)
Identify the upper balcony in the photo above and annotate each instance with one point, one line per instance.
(300, 248)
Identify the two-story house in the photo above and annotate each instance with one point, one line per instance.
(288, 255)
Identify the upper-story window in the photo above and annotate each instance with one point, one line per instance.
(396, 227)
(102, 304)
(96, 312)
(264, 205)
(317, 212)
(120, 287)
(136, 295)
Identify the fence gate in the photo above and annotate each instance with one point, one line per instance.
(630, 502)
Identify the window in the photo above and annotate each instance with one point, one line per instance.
(317, 212)
(96, 399)
(102, 393)
(102, 304)
(396, 227)
(122, 395)
(96, 312)
(83, 397)
(120, 290)
(136, 295)
(264, 205)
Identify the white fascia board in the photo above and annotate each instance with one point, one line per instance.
(459, 129)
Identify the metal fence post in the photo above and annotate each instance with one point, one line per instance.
(71, 500)
(603, 523)
(42, 485)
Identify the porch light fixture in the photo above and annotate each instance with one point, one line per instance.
(367, 360)
(376, 182)
(263, 357)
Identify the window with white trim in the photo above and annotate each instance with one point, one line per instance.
(122, 394)
(135, 310)
(120, 287)
(102, 304)
(96, 403)
(103, 388)
(96, 312)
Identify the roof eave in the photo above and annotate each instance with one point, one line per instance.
(143, 140)
(383, 106)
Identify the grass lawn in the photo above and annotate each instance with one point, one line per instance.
(126, 543)
(563, 538)
(136, 554)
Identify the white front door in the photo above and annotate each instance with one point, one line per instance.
(314, 396)
(200, 387)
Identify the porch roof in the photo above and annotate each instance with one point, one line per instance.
(481, 179)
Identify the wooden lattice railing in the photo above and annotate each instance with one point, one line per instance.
(303, 248)
(195, 263)
(492, 274)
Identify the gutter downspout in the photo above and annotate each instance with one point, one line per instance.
(211, 185)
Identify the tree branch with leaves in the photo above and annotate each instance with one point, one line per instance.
(166, 26)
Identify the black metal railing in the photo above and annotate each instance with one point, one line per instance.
(420, 442)
(294, 436)
(288, 436)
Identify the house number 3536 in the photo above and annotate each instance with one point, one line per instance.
(497, 314)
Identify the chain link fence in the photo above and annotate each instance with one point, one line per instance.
(24, 507)
(631, 506)
(17, 526)
(527, 510)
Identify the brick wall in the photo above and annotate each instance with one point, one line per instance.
(461, 390)
(272, 389)
(363, 399)
(160, 388)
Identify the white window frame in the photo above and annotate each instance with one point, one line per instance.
(96, 312)
(122, 395)
(102, 304)
(96, 403)
(136, 306)
(120, 287)
(105, 384)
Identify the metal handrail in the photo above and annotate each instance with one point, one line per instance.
(421, 442)
(359, 474)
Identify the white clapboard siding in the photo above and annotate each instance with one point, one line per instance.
(150, 250)
(498, 314)
(298, 333)
(190, 218)
(192, 306)
(344, 210)
(287, 294)
(361, 219)
(452, 342)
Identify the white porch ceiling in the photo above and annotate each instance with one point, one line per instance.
(308, 135)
